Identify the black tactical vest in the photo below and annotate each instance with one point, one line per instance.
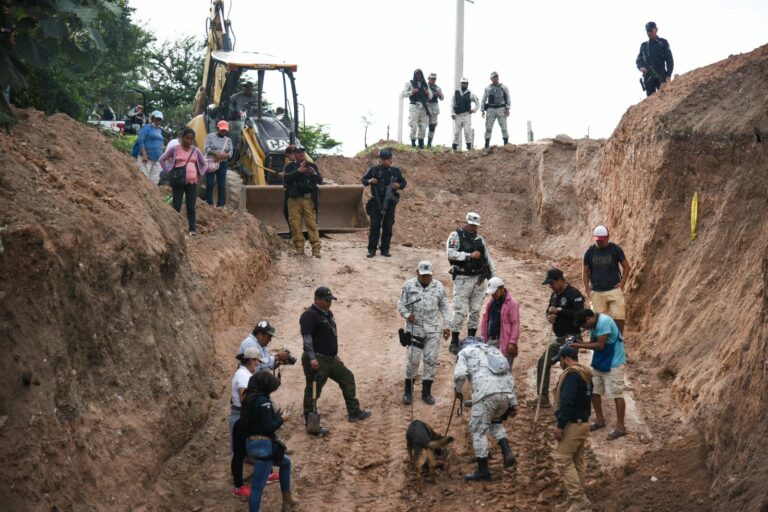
(419, 97)
(469, 243)
(434, 99)
(463, 102)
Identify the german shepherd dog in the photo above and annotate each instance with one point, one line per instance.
(423, 444)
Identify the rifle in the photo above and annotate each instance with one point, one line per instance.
(424, 101)
(389, 197)
(407, 337)
(650, 68)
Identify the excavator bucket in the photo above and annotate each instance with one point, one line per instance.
(340, 207)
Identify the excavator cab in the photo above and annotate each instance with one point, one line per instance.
(261, 127)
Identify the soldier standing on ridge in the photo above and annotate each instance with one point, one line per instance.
(433, 108)
(654, 60)
(385, 182)
(495, 106)
(471, 265)
(419, 94)
(461, 113)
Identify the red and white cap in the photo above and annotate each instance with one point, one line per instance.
(600, 233)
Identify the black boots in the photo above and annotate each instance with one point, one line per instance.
(482, 472)
(429, 141)
(426, 392)
(455, 147)
(506, 141)
(487, 143)
(413, 143)
(408, 393)
(506, 451)
(421, 143)
(454, 348)
(471, 332)
(469, 146)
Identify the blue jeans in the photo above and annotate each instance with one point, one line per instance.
(219, 178)
(261, 453)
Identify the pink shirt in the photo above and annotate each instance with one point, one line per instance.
(181, 158)
(510, 323)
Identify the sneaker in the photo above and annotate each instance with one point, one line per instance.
(192, 233)
(360, 416)
(273, 477)
(241, 492)
(371, 254)
(386, 254)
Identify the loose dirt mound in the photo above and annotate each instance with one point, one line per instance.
(106, 324)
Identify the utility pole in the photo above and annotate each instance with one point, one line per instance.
(400, 118)
(459, 63)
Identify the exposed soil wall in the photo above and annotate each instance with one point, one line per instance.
(105, 318)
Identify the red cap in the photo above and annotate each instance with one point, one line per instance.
(222, 125)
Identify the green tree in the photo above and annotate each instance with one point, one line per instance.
(315, 138)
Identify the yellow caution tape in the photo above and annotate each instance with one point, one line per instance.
(694, 215)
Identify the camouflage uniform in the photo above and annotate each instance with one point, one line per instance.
(463, 120)
(418, 117)
(493, 392)
(431, 306)
(433, 107)
(496, 110)
(468, 290)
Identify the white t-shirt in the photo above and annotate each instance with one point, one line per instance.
(240, 380)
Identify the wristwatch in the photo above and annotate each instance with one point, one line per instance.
(559, 309)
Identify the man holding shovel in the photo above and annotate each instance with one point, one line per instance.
(320, 359)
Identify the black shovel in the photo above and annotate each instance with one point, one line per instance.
(313, 418)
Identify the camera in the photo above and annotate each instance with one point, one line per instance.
(291, 359)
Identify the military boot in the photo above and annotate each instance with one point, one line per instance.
(506, 451)
(426, 392)
(472, 332)
(421, 143)
(469, 146)
(413, 143)
(429, 141)
(455, 147)
(408, 393)
(482, 472)
(506, 141)
(487, 143)
(454, 348)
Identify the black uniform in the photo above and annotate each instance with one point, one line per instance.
(298, 184)
(380, 208)
(575, 400)
(570, 300)
(656, 57)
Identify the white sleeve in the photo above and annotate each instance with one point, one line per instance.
(460, 372)
(408, 90)
(452, 248)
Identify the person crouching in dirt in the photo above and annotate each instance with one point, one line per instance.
(302, 179)
(385, 182)
(471, 265)
(188, 156)
(261, 422)
(320, 359)
(249, 364)
(608, 361)
(424, 306)
(500, 326)
(572, 396)
(493, 399)
(259, 338)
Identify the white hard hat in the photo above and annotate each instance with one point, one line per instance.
(156, 114)
(425, 267)
(494, 284)
(473, 218)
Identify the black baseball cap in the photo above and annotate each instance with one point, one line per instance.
(385, 154)
(566, 351)
(324, 293)
(553, 275)
(264, 326)
(650, 26)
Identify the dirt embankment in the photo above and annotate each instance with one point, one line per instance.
(106, 318)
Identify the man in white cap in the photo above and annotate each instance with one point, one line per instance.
(471, 265)
(605, 273)
(495, 106)
(500, 326)
(463, 105)
(433, 109)
(424, 306)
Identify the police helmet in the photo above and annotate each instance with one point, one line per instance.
(385, 154)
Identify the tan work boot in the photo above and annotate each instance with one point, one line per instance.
(580, 505)
(289, 501)
(562, 507)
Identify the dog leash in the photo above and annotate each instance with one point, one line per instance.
(453, 407)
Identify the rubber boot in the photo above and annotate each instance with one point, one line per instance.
(421, 143)
(506, 451)
(482, 472)
(455, 147)
(469, 146)
(408, 393)
(429, 141)
(506, 141)
(413, 143)
(426, 392)
(454, 348)
(289, 501)
(487, 143)
(472, 332)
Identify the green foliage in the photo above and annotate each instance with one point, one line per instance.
(124, 142)
(316, 139)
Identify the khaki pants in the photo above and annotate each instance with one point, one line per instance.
(610, 303)
(569, 459)
(302, 208)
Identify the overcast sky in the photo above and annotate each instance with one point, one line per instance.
(569, 66)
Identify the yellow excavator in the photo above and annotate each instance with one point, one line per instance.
(260, 134)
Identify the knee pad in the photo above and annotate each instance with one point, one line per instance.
(432, 127)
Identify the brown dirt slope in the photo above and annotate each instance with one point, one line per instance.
(105, 321)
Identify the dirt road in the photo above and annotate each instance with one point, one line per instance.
(363, 466)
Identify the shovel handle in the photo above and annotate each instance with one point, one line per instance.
(314, 390)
